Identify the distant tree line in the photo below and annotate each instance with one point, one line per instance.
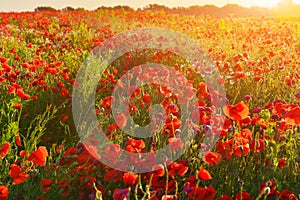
(229, 9)
(41, 8)
(285, 7)
(48, 8)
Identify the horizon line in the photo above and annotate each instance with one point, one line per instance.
(143, 7)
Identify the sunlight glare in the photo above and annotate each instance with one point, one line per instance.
(272, 3)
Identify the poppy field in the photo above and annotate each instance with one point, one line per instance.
(253, 125)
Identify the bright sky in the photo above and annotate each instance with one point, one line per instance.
(29, 5)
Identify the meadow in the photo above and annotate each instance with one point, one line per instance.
(256, 153)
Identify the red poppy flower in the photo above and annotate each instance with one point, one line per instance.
(146, 98)
(172, 109)
(225, 148)
(23, 153)
(39, 156)
(111, 153)
(83, 157)
(41, 197)
(257, 145)
(203, 92)
(17, 105)
(196, 191)
(242, 196)
(175, 143)
(64, 186)
(22, 94)
(135, 145)
(207, 193)
(199, 115)
(113, 176)
(282, 163)
(70, 151)
(18, 140)
(121, 120)
(120, 194)
(271, 184)
(210, 193)
(192, 180)
(3, 60)
(157, 182)
(130, 178)
(211, 158)
(236, 112)
(64, 92)
(241, 147)
(287, 195)
(12, 51)
(4, 149)
(292, 117)
(63, 118)
(224, 197)
(171, 125)
(3, 192)
(107, 102)
(45, 184)
(158, 170)
(17, 174)
(245, 133)
(60, 84)
(2, 80)
(177, 169)
(203, 174)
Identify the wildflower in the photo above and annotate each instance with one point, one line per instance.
(63, 118)
(17, 105)
(4, 149)
(292, 117)
(45, 184)
(224, 197)
(236, 112)
(39, 156)
(121, 120)
(243, 196)
(241, 147)
(130, 178)
(211, 158)
(175, 143)
(17, 174)
(3, 192)
(282, 163)
(210, 193)
(158, 170)
(257, 145)
(146, 98)
(203, 174)
(120, 194)
(287, 194)
(113, 176)
(22, 94)
(177, 169)
(271, 184)
(18, 140)
(135, 145)
(83, 157)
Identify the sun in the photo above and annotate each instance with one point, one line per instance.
(280, 3)
(286, 8)
(271, 3)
